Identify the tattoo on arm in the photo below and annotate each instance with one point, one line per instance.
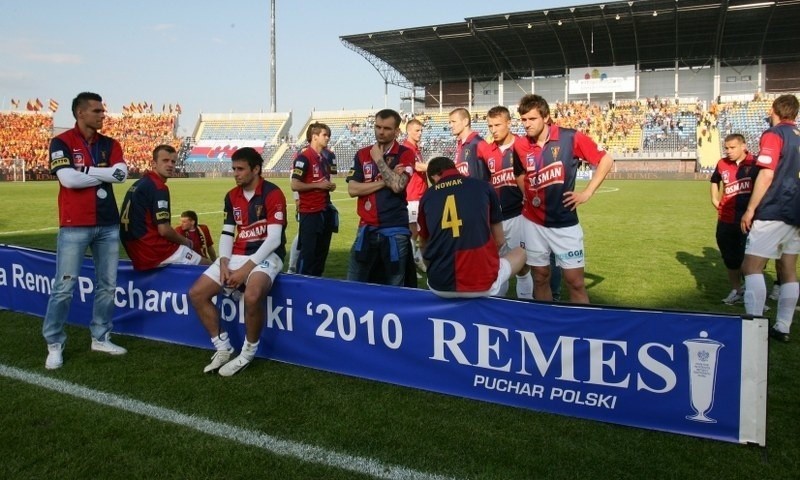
(395, 181)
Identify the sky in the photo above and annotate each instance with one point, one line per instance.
(210, 56)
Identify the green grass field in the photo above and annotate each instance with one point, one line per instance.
(649, 244)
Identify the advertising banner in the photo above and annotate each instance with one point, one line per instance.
(690, 373)
(602, 79)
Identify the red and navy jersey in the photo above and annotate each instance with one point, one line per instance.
(418, 182)
(146, 204)
(780, 151)
(383, 208)
(500, 162)
(467, 161)
(91, 206)
(311, 167)
(737, 186)
(550, 171)
(455, 216)
(251, 217)
(200, 237)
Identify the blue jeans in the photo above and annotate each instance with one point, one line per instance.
(374, 264)
(70, 250)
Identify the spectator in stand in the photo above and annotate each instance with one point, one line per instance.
(319, 219)
(86, 164)
(731, 186)
(460, 234)
(383, 240)
(417, 186)
(546, 161)
(198, 234)
(772, 217)
(145, 228)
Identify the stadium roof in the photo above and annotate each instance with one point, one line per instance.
(651, 33)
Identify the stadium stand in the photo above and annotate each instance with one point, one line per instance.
(139, 134)
(26, 135)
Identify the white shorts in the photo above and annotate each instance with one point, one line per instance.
(413, 211)
(183, 256)
(772, 238)
(566, 243)
(503, 274)
(512, 231)
(270, 266)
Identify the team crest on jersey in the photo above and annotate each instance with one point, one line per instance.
(725, 177)
(316, 170)
(555, 151)
(368, 171)
(77, 159)
(530, 159)
(490, 164)
(259, 211)
(237, 215)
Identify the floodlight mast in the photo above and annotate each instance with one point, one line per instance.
(272, 69)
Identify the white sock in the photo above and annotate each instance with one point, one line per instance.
(525, 286)
(786, 303)
(503, 289)
(249, 349)
(294, 254)
(221, 342)
(755, 294)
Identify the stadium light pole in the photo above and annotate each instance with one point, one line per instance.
(272, 89)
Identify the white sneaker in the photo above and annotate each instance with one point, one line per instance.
(236, 365)
(775, 293)
(733, 297)
(55, 356)
(220, 358)
(105, 345)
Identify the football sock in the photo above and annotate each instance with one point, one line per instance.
(525, 286)
(755, 294)
(221, 341)
(786, 303)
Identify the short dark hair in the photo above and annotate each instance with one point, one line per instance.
(498, 111)
(438, 165)
(786, 107)
(191, 214)
(529, 102)
(315, 129)
(82, 99)
(463, 113)
(389, 113)
(735, 136)
(164, 147)
(249, 155)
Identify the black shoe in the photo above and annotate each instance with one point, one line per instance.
(778, 335)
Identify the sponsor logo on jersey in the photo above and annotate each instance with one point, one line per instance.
(58, 154)
(162, 215)
(549, 175)
(463, 168)
(162, 204)
(253, 231)
(739, 187)
(504, 178)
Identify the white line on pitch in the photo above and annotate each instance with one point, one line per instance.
(288, 448)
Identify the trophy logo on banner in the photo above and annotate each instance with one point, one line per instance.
(703, 354)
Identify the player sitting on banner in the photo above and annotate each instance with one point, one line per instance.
(251, 252)
(460, 231)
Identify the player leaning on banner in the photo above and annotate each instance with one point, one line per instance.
(251, 251)
(546, 162)
(461, 231)
(86, 164)
(145, 228)
(773, 217)
(731, 186)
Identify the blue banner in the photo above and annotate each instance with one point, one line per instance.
(669, 371)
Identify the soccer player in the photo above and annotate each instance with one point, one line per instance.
(467, 144)
(417, 185)
(731, 186)
(381, 250)
(499, 159)
(145, 228)
(311, 179)
(772, 217)
(198, 233)
(461, 230)
(251, 252)
(86, 163)
(546, 162)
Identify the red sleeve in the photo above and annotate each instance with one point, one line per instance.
(408, 159)
(208, 234)
(422, 227)
(584, 148)
(769, 150)
(116, 154)
(276, 207)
